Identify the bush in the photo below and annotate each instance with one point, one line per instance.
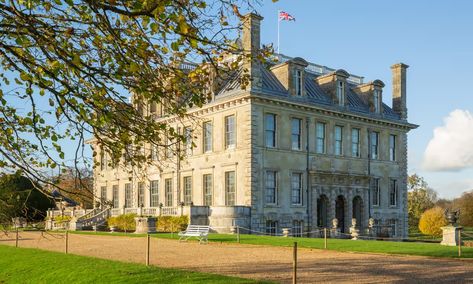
(431, 222)
(62, 219)
(125, 222)
(172, 224)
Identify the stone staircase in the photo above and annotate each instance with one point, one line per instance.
(88, 221)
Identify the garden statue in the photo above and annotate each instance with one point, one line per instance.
(334, 223)
(354, 231)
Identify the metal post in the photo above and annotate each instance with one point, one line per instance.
(460, 242)
(16, 241)
(294, 264)
(238, 234)
(66, 247)
(325, 238)
(147, 249)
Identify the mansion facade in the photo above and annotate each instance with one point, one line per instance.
(301, 145)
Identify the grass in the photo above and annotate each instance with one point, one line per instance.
(402, 248)
(21, 265)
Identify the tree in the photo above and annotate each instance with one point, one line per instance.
(420, 198)
(69, 66)
(77, 185)
(465, 204)
(431, 222)
(19, 197)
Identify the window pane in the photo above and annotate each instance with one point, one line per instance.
(208, 190)
(392, 147)
(338, 140)
(187, 190)
(168, 192)
(207, 136)
(374, 145)
(270, 130)
(296, 189)
(296, 134)
(115, 196)
(355, 142)
(128, 196)
(320, 134)
(154, 191)
(230, 188)
(271, 187)
(230, 131)
(141, 194)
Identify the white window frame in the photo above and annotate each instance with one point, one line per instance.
(141, 194)
(393, 193)
(296, 137)
(208, 189)
(320, 146)
(154, 193)
(374, 145)
(230, 131)
(128, 195)
(297, 228)
(296, 192)
(392, 147)
(271, 227)
(376, 192)
(270, 132)
(103, 193)
(338, 140)
(207, 143)
(187, 181)
(230, 188)
(355, 144)
(271, 191)
(168, 192)
(115, 196)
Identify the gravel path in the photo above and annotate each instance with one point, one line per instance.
(261, 262)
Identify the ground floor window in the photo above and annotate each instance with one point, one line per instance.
(187, 190)
(141, 194)
(207, 189)
(393, 224)
(154, 193)
(230, 188)
(128, 196)
(115, 196)
(103, 194)
(297, 227)
(271, 227)
(168, 191)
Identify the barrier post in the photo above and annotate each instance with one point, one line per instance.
(460, 243)
(147, 249)
(294, 264)
(325, 238)
(66, 245)
(16, 239)
(238, 234)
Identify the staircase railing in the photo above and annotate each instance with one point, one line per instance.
(97, 219)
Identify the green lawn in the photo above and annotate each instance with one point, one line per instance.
(21, 265)
(406, 248)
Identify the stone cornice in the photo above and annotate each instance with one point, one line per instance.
(334, 113)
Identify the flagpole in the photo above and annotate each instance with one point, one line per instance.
(279, 12)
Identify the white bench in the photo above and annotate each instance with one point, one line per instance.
(198, 231)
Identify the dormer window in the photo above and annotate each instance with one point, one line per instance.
(340, 93)
(298, 82)
(376, 100)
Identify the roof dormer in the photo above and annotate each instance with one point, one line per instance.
(291, 75)
(335, 84)
(372, 94)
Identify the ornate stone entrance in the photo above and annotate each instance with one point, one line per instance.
(322, 211)
(358, 211)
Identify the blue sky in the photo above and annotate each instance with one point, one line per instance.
(367, 37)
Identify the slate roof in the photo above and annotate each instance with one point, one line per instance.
(315, 95)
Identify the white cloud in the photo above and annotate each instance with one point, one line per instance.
(451, 148)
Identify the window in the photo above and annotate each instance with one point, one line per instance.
(152, 107)
(341, 93)
(297, 227)
(296, 196)
(230, 132)
(208, 190)
(392, 147)
(393, 224)
(188, 144)
(103, 161)
(168, 192)
(355, 142)
(154, 192)
(187, 190)
(338, 140)
(320, 133)
(374, 145)
(207, 136)
(128, 195)
(298, 82)
(154, 152)
(393, 193)
(271, 227)
(141, 194)
(376, 100)
(375, 191)
(168, 152)
(115, 196)
(103, 194)
(230, 188)
(296, 133)
(270, 130)
(271, 187)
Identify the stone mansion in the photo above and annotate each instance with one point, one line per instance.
(301, 145)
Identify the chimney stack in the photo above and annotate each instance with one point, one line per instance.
(251, 40)
(399, 89)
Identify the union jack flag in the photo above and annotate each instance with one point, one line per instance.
(284, 16)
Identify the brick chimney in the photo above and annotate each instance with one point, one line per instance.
(251, 40)
(399, 89)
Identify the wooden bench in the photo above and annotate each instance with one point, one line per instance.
(198, 231)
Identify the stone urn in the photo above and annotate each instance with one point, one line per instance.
(354, 231)
(113, 229)
(286, 232)
(233, 230)
(452, 216)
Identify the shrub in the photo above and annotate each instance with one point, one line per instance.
(62, 219)
(172, 224)
(125, 222)
(431, 222)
